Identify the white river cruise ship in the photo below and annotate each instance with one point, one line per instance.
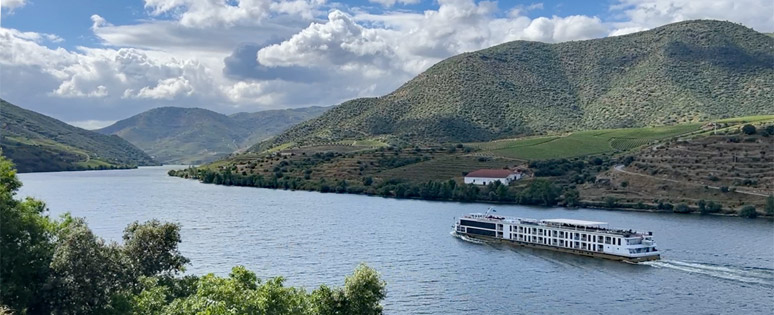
(579, 237)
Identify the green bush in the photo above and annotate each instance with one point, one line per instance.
(682, 208)
(748, 212)
(748, 129)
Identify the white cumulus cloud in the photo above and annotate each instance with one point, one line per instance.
(390, 3)
(646, 14)
(12, 4)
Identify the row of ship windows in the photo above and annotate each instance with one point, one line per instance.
(558, 242)
(542, 240)
(569, 235)
(561, 243)
(552, 233)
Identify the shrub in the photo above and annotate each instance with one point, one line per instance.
(748, 129)
(682, 208)
(611, 202)
(665, 206)
(770, 205)
(713, 207)
(748, 212)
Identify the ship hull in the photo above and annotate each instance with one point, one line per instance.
(580, 252)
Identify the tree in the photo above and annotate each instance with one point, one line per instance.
(85, 272)
(571, 198)
(243, 293)
(682, 208)
(26, 245)
(702, 204)
(748, 129)
(611, 202)
(713, 207)
(748, 212)
(151, 248)
(502, 193)
(326, 301)
(770, 205)
(539, 192)
(363, 291)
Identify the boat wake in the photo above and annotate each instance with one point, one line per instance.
(467, 239)
(741, 274)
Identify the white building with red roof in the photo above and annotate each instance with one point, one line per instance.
(487, 176)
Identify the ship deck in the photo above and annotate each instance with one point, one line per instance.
(566, 224)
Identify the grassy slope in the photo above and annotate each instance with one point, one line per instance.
(195, 135)
(40, 143)
(583, 142)
(683, 72)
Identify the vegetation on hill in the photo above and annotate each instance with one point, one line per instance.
(730, 168)
(193, 135)
(682, 72)
(590, 168)
(583, 143)
(60, 267)
(38, 143)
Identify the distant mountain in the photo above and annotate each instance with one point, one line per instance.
(681, 72)
(38, 143)
(177, 135)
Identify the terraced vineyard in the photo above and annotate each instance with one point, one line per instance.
(584, 142)
(731, 161)
(444, 168)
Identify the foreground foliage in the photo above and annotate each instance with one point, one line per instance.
(59, 266)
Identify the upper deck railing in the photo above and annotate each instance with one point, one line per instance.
(499, 219)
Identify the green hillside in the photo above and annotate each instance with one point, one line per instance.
(195, 135)
(679, 73)
(38, 143)
(584, 143)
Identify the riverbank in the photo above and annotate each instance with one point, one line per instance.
(539, 192)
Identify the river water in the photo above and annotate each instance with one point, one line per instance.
(710, 265)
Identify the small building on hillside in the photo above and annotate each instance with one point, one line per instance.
(487, 176)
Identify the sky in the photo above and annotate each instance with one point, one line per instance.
(93, 62)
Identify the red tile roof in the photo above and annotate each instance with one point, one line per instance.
(490, 173)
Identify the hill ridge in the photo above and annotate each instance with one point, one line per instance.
(682, 72)
(192, 135)
(38, 143)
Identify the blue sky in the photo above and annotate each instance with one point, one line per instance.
(92, 62)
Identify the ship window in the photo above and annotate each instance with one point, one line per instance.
(478, 224)
(481, 232)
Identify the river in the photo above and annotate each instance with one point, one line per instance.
(711, 265)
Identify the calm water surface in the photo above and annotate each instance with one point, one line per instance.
(710, 265)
